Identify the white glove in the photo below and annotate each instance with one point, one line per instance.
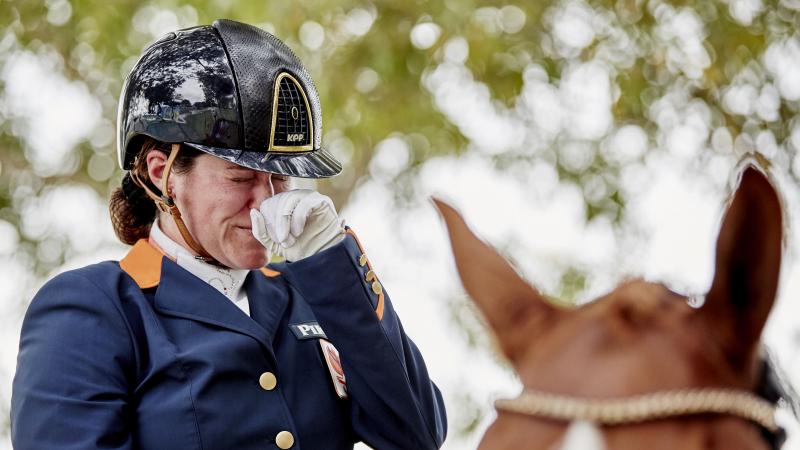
(297, 224)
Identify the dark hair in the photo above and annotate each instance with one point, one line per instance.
(132, 210)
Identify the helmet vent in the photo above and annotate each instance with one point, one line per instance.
(292, 127)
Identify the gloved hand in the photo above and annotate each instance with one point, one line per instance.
(297, 224)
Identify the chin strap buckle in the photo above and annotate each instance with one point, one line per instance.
(164, 206)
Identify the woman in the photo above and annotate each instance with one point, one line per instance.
(189, 342)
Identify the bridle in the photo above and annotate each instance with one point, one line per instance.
(642, 408)
(759, 409)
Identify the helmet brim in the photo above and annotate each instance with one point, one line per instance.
(312, 164)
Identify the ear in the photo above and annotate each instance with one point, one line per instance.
(748, 264)
(156, 162)
(507, 301)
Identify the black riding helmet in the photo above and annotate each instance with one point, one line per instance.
(231, 90)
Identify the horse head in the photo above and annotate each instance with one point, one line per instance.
(640, 365)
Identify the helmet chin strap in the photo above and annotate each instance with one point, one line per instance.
(165, 204)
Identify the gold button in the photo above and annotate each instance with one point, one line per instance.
(284, 440)
(377, 288)
(362, 260)
(267, 381)
(370, 275)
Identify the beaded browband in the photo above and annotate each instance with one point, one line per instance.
(641, 408)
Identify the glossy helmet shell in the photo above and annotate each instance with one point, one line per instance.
(231, 90)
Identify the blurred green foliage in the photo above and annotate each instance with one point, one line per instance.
(97, 43)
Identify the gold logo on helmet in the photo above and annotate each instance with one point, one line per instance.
(295, 130)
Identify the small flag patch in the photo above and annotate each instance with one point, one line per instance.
(334, 367)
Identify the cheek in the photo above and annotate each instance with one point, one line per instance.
(210, 204)
(224, 199)
(200, 204)
(186, 186)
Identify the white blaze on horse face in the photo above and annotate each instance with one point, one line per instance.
(583, 435)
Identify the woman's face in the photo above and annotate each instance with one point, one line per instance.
(215, 198)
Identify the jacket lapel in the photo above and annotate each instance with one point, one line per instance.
(182, 294)
(268, 301)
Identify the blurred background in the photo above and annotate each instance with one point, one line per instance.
(589, 141)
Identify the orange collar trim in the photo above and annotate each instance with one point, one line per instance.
(143, 264)
(269, 273)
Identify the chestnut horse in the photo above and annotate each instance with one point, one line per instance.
(639, 367)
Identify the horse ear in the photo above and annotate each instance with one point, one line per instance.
(748, 263)
(504, 298)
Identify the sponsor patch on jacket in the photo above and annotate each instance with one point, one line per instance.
(307, 330)
(334, 367)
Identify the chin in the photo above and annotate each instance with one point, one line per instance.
(247, 258)
(244, 252)
(252, 262)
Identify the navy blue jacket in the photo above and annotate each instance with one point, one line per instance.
(141, 354)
